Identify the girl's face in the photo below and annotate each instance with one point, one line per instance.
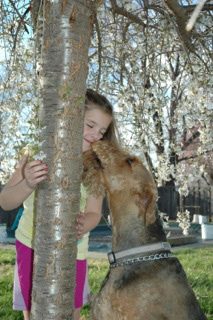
(96, 123)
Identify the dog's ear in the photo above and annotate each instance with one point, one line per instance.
(92, 176)
(147, 204)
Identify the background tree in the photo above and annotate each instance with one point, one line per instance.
(18, 104)
(156, 72)
(143, 46)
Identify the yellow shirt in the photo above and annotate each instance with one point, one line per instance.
(25, 231)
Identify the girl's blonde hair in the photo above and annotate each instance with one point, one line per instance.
(95, 100)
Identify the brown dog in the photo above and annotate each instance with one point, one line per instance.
(145, 282)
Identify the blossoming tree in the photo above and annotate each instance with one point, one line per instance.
(156, 73)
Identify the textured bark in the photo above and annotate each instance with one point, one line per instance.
(63, 59)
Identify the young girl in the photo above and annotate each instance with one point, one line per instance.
(99, 123)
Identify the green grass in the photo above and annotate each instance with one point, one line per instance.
(198, 265)
(7, 261)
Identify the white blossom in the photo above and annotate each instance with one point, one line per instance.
(183, 218)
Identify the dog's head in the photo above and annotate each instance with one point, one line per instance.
(110, 169)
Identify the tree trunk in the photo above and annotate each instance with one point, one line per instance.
(66, 30)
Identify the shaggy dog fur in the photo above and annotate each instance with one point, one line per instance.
(149, 290)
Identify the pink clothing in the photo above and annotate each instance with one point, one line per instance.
(23, 279)
(81, 285)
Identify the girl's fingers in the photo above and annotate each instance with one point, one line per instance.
(33, 183)
(34, 178)
(40, 179)
(79, 233)
(34, 163)
(22, 162)
(39, 173)
(37, 168)
(79, 228)
(36, 171)
(80, 220)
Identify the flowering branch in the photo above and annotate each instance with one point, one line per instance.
(183, 218)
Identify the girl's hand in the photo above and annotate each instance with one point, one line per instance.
(80, 227)
(21, 164)
(18, 176)
(35, 172)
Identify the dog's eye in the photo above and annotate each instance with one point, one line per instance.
(130, 161)
(98, 163)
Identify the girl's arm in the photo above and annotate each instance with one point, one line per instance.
(89, 219)
(10, 197)
(17, 176)
(13, 196)
(22, 183)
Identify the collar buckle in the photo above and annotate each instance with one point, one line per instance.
(111, 257)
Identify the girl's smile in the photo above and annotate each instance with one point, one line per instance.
(96, 123)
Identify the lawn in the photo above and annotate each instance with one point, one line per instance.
(198, 265)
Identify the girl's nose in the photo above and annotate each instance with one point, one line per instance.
(96, 136)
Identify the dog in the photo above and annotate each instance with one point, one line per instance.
(145, 281)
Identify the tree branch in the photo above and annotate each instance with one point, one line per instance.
(189, 141)
(127, 14)
(99, 50)
(190, 8)
(20, 22)
(195, 15)
(20, 16)
(181, 20)
(193, 156)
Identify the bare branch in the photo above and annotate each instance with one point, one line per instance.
(127, 14)
(191, 140)
(21, 23)
(206, 7)
(181, 20)
(195, 15)
(194, 156)
(99, 50)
